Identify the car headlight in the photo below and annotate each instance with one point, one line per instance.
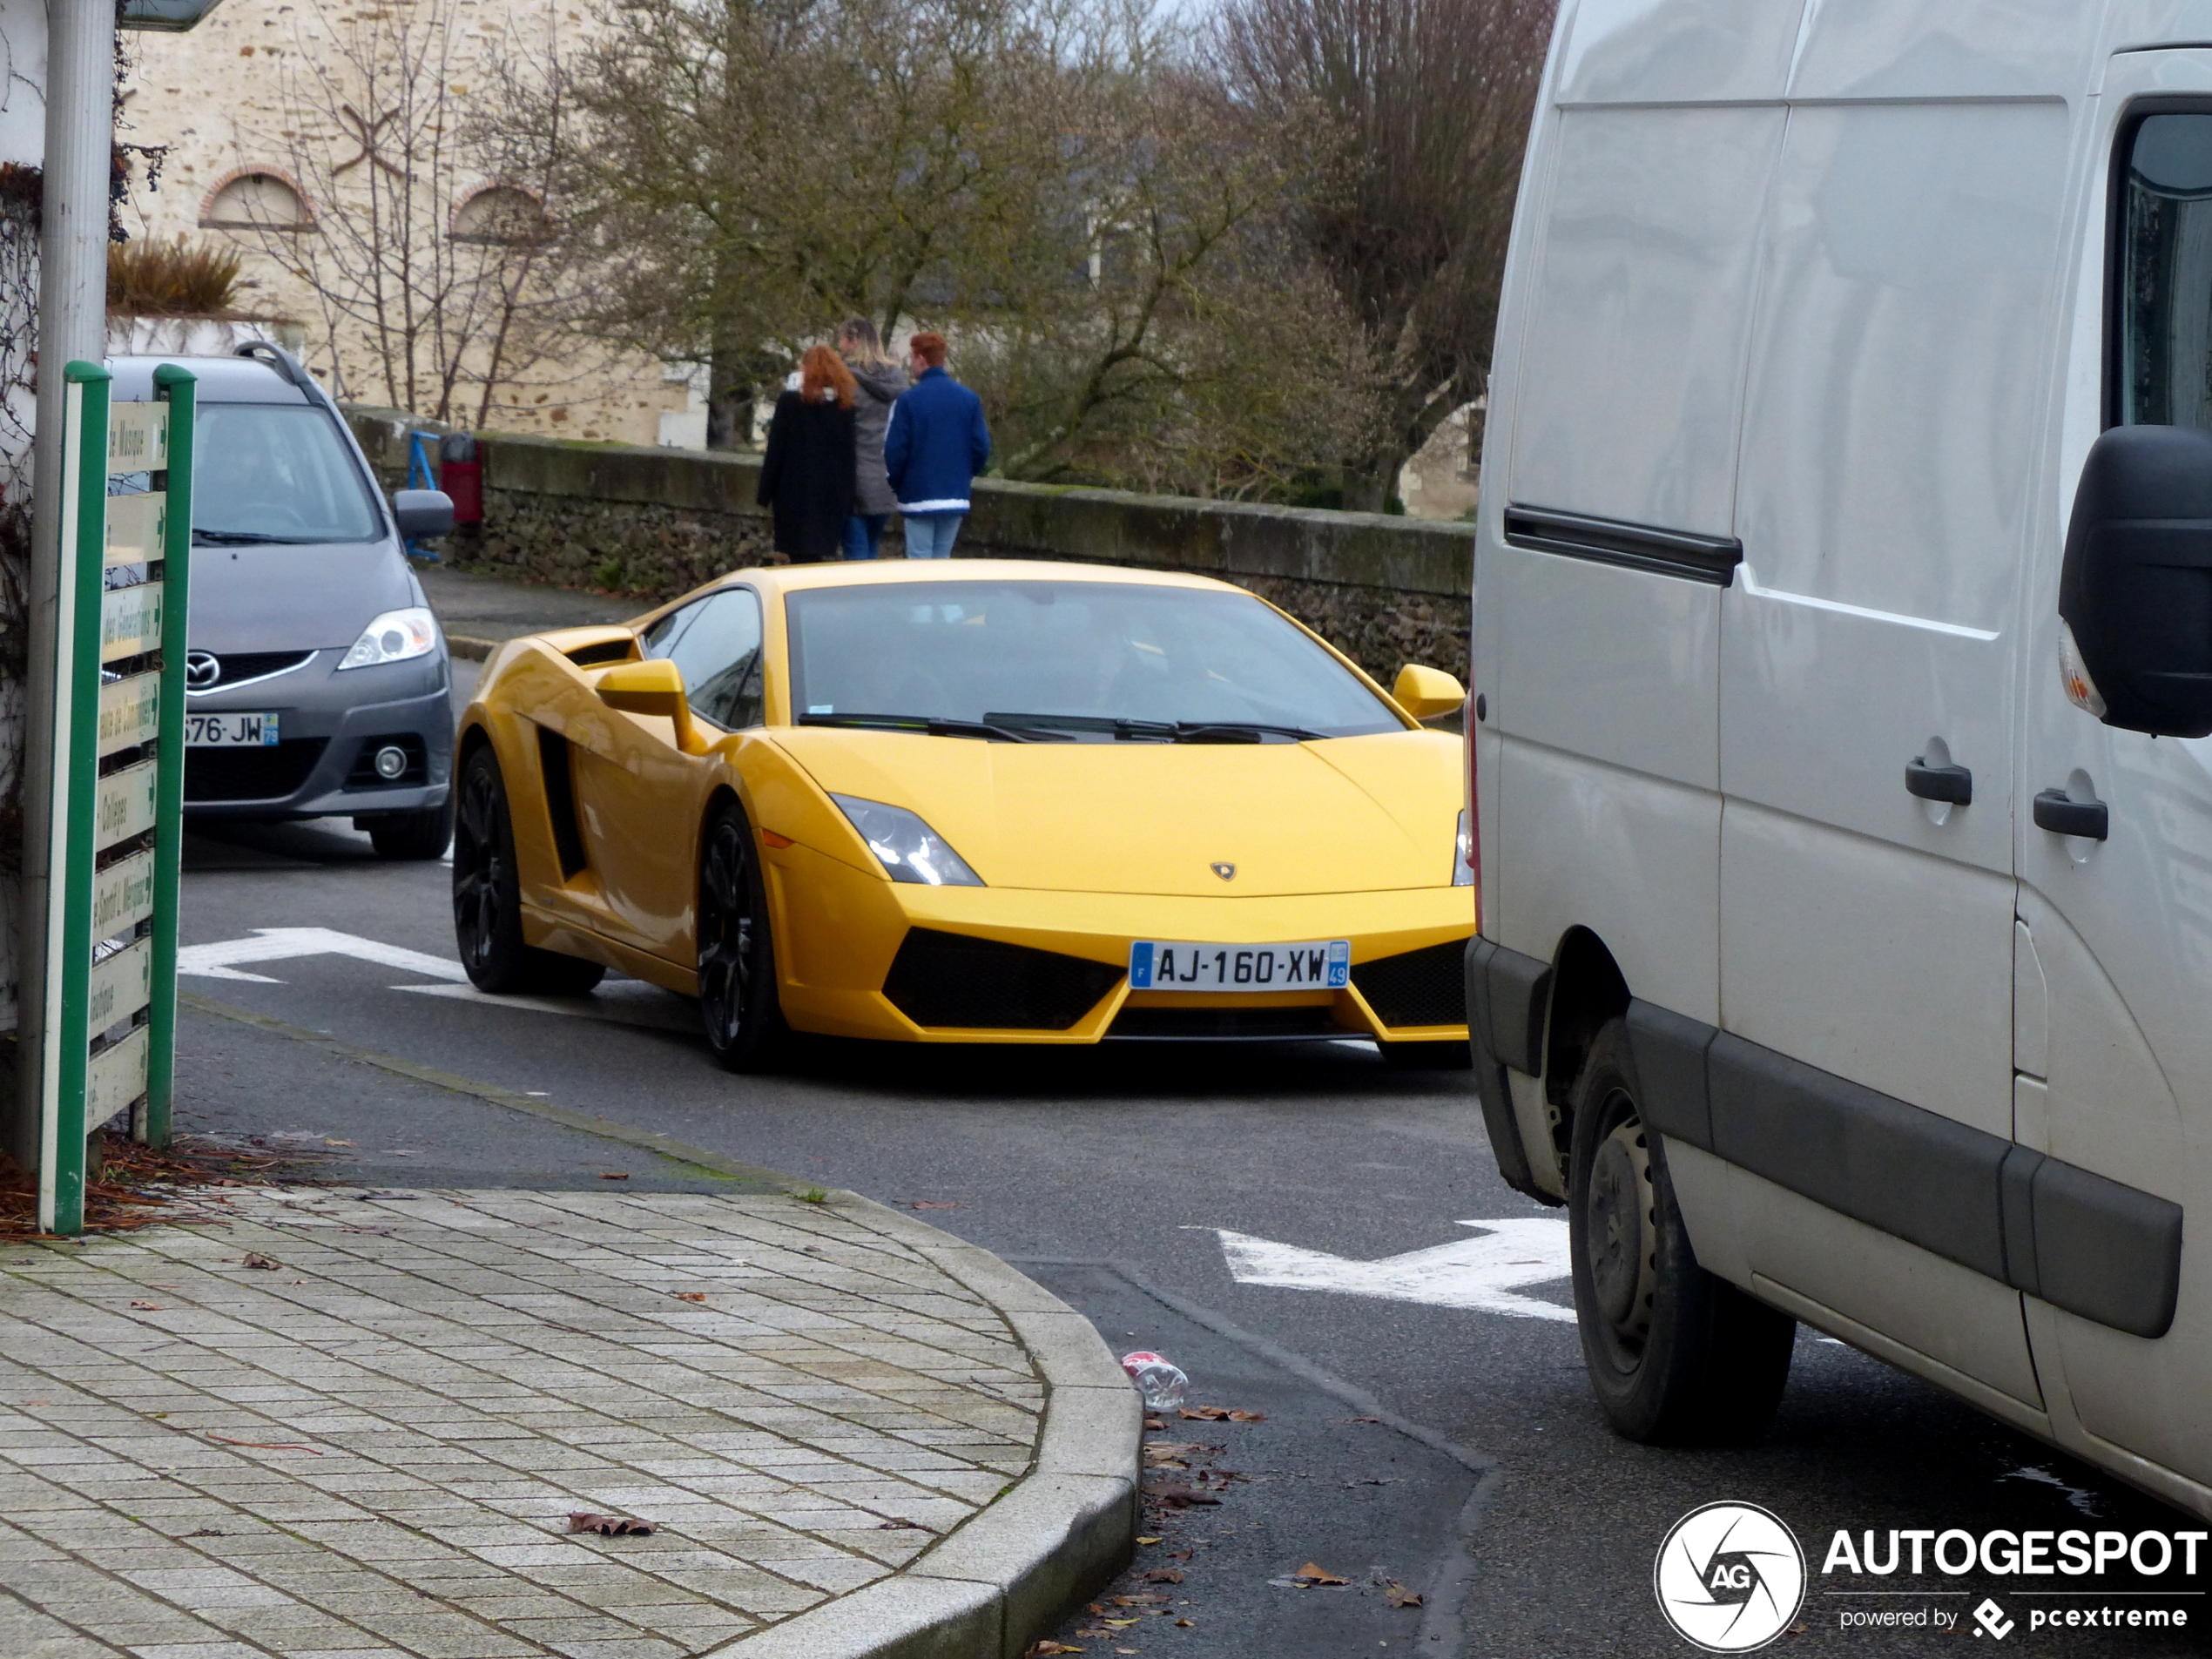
(1462, 869)
(907, 848)
(394, 637)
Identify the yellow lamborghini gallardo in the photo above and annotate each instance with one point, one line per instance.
(976, 801)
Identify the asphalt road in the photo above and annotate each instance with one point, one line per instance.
(1489, 1485)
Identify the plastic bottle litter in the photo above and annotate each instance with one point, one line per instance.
(1163, 1385)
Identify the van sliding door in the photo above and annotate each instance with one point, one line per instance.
(1867, 672)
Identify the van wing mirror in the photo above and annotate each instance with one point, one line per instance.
(1427, 692)
(421, 514)
(652, 688)
(2136, 592)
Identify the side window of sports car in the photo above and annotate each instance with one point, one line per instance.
(715, 644)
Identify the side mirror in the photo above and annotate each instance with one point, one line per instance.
(653, 688)
(1427, 692)
(422, 514)
(2136, 592)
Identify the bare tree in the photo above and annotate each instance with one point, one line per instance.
(428, 236)
(1426, 104)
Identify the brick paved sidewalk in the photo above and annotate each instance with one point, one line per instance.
(370, 1451)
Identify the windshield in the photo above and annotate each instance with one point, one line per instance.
(270, 472)
(1080, 661)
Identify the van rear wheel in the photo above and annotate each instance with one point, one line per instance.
(1675, 1356)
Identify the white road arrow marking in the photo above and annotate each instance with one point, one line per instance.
(1478, 1273)
(275, 944)
(621, 1001)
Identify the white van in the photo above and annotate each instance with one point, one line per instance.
(1843, 650)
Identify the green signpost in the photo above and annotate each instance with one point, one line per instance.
(118, 797)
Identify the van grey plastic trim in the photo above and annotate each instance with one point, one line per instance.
(2076, 1240)
(1490, 1073)
(1508, 997)
(1638, 547)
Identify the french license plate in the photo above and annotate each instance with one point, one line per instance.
(230, 731)
(1319, 965)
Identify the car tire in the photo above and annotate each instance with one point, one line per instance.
(1426, 1057)
(1677, 1355)
(740, 1008)
(487, 896)
(414, 836)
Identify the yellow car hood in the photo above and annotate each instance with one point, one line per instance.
(1343, 815)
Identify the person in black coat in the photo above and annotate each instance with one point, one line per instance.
(806, 475)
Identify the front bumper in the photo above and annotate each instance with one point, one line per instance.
(329, 723)
(859, 956)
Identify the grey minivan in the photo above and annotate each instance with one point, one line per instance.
(317, 678)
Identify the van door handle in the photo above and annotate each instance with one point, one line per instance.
(2061, 814)
(1952, 784)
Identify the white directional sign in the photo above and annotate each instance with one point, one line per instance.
(1481, 1273)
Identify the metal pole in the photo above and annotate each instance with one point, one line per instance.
(72, 324)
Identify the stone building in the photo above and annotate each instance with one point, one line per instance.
(330, 145)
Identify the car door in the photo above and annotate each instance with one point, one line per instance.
(2115, 941)
(640, 796)
(1866, 672)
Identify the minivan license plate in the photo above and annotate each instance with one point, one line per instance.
(230, 731)
(1319, 965)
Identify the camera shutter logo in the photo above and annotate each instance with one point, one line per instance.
(1729, 1577)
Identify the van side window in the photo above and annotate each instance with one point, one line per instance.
(715, 644)
(2164, 374)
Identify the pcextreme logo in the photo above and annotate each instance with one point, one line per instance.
(1729, 1577)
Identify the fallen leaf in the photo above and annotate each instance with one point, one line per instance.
(331, 1143)
(1310, 1576)
(608, 1525)
(689, 1296)
(1399, 1595)
(1153, 1424)
(1163, 1575)
(1183, 1497)
(1138, 1601)
(1363, 1419)
(207, 1531)
(147, 1307)
(254, 1258)
(267, 1446)
(1041, 1648)
(1221, 1414)
(1372, 1481)
(614, 1175)
(1124, 1624)
(1183, 1624)
(1148, 1540)
(901, 1525)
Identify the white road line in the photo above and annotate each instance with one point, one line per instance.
(1478, 1273)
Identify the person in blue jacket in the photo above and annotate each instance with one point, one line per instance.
(936, 445)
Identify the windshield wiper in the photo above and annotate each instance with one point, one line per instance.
(1158, 731)
(240, 538)
(932, 726)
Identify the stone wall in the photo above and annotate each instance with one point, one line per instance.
(655, 522)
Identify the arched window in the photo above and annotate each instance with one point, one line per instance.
(256, 200)
(499, 214)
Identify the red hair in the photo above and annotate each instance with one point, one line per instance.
(930, 348)
(822, 370)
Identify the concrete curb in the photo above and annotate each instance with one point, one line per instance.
(1005, 1576)
(469, 646)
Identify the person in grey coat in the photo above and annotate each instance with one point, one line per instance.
(880, 381)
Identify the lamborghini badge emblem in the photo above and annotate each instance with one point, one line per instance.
(1226, 872)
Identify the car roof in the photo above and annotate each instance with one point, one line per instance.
(858, 573)
(221, 380)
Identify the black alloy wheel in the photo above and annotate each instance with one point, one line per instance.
(1677, 1355)
(487, 896)
(738, 1005)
